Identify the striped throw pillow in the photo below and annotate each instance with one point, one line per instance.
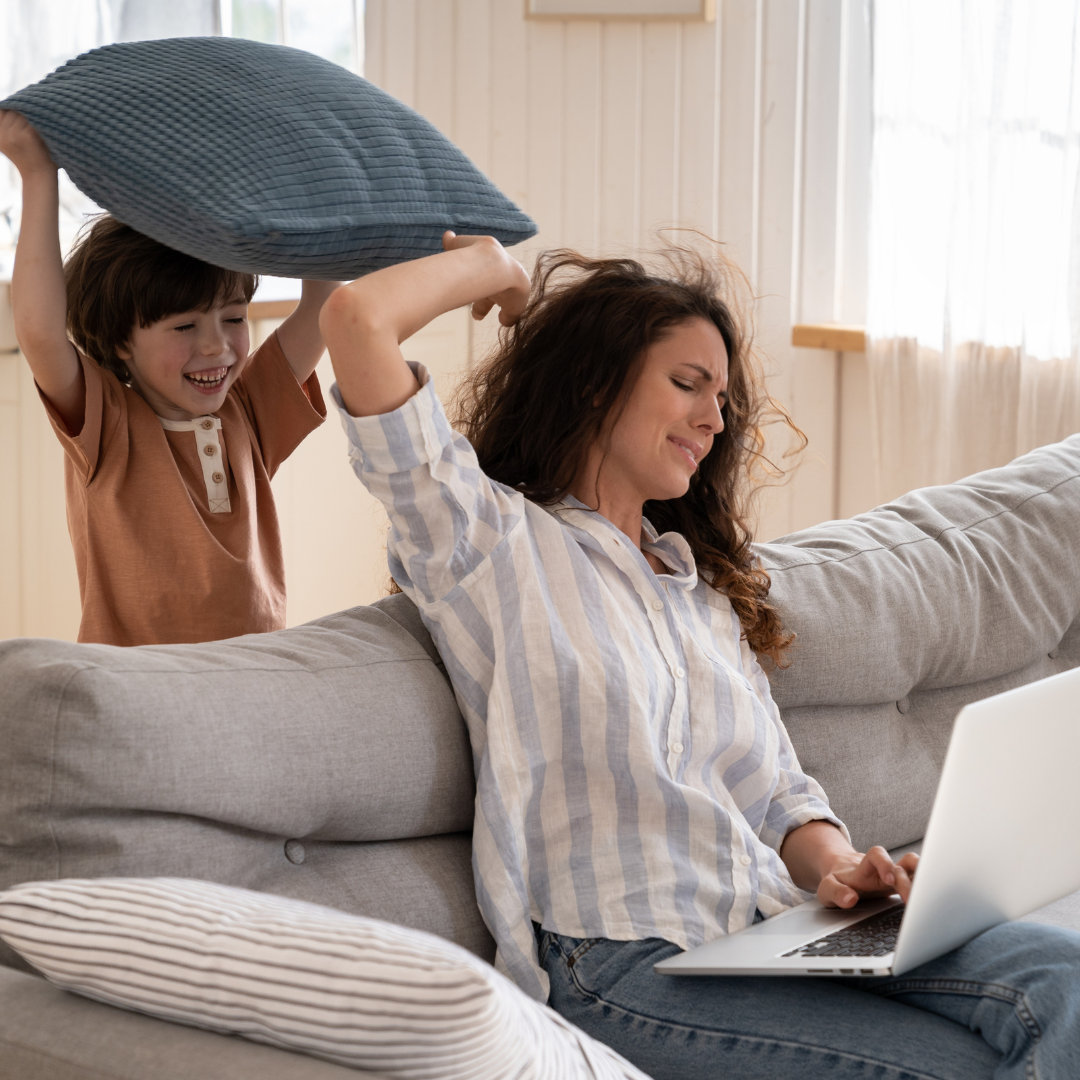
(354, 990)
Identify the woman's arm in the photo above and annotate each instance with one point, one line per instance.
(299, 335)
(820, 859)
(365, 322)
(38, 293)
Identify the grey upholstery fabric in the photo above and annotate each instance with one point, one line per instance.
(264, 761)
(946, 586)
(48, 1034)
(906, 613)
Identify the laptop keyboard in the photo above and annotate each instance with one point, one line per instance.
(873, 936)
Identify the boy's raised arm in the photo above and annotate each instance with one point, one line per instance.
(38, 294)
(365, 322)
(299, 335)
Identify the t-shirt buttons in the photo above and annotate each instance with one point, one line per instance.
(677, 747)
(209, 450)
(207, 424)
(745, 860)
(217, 477)
(658, 605)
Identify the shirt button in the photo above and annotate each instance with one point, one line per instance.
(679, 673)
(217, 478)
(658, 605)
(745, 860)
(676, 747)
(209, 451)
(207, 425)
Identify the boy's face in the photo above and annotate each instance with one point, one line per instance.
(183, 365)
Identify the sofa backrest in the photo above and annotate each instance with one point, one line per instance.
(905, 613)
(326, 762)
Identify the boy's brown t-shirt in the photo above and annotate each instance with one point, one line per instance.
(175, 532)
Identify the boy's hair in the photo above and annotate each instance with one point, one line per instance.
(118, 279)
(565, 369)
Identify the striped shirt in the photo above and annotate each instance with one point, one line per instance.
(634, 778)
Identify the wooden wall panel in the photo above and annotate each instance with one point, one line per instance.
(609, 131)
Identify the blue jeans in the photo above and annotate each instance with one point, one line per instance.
(1005, 1005)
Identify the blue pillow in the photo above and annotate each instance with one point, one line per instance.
(260, 157)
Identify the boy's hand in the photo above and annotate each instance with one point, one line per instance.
(23, 145)
(510, 301)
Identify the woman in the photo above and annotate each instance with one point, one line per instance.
(636, 790)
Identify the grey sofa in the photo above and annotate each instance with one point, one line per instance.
(328, 762)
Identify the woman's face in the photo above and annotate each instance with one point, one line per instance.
(654, 444)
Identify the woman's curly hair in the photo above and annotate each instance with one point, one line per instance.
(534, 408)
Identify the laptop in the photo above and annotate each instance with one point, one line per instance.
(1002, 840)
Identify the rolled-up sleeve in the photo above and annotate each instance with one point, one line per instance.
(446, 516)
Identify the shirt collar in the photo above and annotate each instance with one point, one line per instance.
(671, 547)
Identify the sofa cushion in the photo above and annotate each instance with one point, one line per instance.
(946, 586)
(907, 612)
(259, 761)
(48, 1034)
(260, 157)
(357, 991)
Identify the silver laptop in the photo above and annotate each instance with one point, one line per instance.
(1003, 839)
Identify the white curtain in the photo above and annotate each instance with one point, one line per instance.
(974, 280)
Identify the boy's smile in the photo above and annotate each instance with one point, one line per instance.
(183, 365)
(208, 382)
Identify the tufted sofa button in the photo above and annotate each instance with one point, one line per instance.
(903, 706)
(294, 851)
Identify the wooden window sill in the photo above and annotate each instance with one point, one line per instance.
(270, 309)
(834, 337)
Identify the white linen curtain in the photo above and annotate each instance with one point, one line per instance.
(974, 279)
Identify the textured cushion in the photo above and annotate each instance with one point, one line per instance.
(260, 157)
(357, 991)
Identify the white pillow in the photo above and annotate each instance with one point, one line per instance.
(357, 991)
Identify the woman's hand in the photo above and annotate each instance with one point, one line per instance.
(511, 300)
(23, 145)
(365, 322)
(820, 859)
(855, 876)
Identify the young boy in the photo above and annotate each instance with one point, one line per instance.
(171, 430)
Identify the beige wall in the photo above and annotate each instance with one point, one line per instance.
(603, 132)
